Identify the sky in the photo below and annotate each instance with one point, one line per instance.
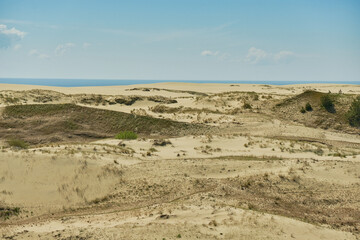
(290, 40)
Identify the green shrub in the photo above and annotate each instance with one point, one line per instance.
(6, 212)
(17, 143)
(308, 107)
(126, 135)
(353, 115)
(328, 103)
(302, 110)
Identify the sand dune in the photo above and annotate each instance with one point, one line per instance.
(211, 161)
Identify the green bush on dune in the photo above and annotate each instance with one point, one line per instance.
(353, 115)
(308, 107)
(328, 103)
(17, 143)
(126, 135)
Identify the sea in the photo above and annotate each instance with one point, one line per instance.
(107, 82)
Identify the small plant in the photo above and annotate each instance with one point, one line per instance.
(247, 106)
(353, 115)
(126, 135)
(328, 103)
(161, 142)
(6, 212)
(153, 150)
(319, 151)
(302, 110)
(179, 235)
(17, 143)
(308, 107)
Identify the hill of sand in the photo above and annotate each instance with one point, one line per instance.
(211, 161)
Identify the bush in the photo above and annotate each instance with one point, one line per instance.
(328, 103)
(126, 135)
(308, 107)
(6, 212)
(302, 110)
(247, 106)
(353, 115)
(17, 143)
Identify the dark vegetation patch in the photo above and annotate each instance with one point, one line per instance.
(46, 96)
(161, 142)
(325, 110)
(247, 106)
(45, 123)
(328, 103)
(353, 115)
(7, 212)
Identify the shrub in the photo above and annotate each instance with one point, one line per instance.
(126, 135)
(308, 107)
(17, 143)
(6, 212)
(328, 103)
(247, 106)
(353, 115)
(302, 110)
(161, 142)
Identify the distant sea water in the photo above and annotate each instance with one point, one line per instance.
(107, 82)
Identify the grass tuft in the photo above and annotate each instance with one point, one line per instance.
(126, 135)
(17, 143)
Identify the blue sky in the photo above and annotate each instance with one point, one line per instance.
(309, 40)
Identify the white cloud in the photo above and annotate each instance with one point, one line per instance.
(209, 53)
(256, 55)
(11, 31)
(61, 49)
(17, 47)
(259, 56)
(284, 56)
(86, 45)
(36, 53)
(9, 35)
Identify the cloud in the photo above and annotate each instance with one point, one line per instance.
(36, 53)
(209, 53)
(17, 47)
(256, 55)
(9, 35)
(284, 56)
(61, 49)
(259, 56)
(11, 31)
(86, 45)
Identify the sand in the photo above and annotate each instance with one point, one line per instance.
(268, 172)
